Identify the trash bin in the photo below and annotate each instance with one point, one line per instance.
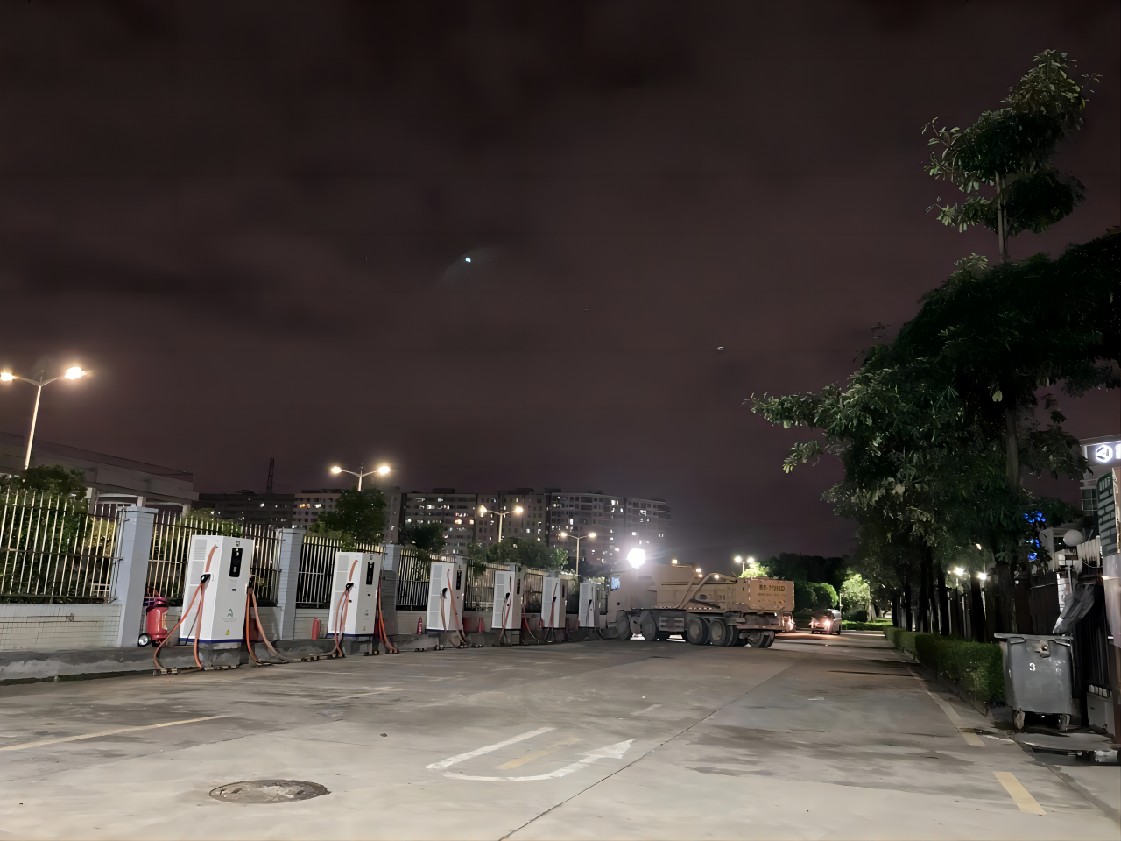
(1037, 676)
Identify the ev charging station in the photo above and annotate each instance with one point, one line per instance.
(354, 591)
(589, 603)
(218, 568)
(554, 597)
(446, 584)
(507, 610)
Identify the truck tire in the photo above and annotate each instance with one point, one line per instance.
(623, 626)
(717, 632)
(648, 626)
(757, 639)
(768, 639)
(741, 639)
(696, 631)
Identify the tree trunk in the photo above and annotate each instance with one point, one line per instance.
(908, 611)
(924, 592)
(977, 610)
(1001, 221)
(943, 603)
(1011, 445)
(896, 616)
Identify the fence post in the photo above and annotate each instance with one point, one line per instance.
(134, 544)
(288, 560)
(390, 572)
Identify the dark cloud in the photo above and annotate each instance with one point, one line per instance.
(251, 220)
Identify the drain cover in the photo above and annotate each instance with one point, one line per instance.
(268, 791)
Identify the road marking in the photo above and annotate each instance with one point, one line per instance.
(42, 743)
(463, 757)
(649, 709)
(967, 733)
(529, 757)
(1020, 795)
(615, 751)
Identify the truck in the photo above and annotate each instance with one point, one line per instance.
(661, 600)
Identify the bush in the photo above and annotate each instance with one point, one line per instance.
(852, 625)
(976, 667)
(859, 615)
(803, 615)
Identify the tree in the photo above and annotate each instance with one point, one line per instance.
(1009, 150)
(532, 554)
(53, 479)
(856, 594)
(358, 518)
(794, 567)
(428, 538)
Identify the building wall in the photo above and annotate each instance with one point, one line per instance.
(251, 507)
(309, 505)
(456, 513)
(37, 627)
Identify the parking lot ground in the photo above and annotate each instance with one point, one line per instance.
(824, 737)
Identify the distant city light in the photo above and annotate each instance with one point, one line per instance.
(466, 259)
(636, 557)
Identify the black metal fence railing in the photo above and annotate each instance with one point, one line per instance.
(317, 569)
(412, 580)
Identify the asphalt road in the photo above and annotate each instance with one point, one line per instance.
(817, 737)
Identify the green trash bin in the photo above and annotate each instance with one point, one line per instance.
(1038, 676)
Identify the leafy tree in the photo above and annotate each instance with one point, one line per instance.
(428, 538)
(358, 518)
(532, 554)
(1009, 150)
(52, 479)
(856, 594)
(794, 567)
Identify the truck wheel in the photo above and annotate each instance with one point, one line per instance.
(717, 632)
(740, 640)
(756, 639)
(648, 626)
(696, 632)
(623, 626)
(768, 639)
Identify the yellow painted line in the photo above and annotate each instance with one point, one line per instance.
(42, 743)
(529, 757)
(1020, 795)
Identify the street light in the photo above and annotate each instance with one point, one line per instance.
(74, 372)
(501, 515)
(636, 557)
(380, 470)
(589, 536)
(699, 570)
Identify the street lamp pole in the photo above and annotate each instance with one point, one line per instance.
(74, 372)
(501, 515)
(590, 536)
(380, 470)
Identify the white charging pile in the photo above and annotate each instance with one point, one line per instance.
(354, 590)
(506, 612)
(218, 571)
(554, 597)
(446, 584)
(590, 594)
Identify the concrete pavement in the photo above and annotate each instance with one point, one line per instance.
(830, 737)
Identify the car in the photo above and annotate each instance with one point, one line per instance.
(826, 622)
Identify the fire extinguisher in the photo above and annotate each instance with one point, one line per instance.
(155, 621)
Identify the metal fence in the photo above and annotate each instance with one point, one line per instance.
(53, 550)
(534, 584)
(171, 544)
(412, 580)
(317, 567)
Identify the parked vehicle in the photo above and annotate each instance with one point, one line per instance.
(660, 600)
(826, 622)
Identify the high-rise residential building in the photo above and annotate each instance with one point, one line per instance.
(269, 509)
(646, 524)
(455, 512)
(584, 513)
(531, 524)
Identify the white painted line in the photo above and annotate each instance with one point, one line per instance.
(615, 751)
(649, 709)
(1020, 795)
(968, 734)
(463, 757)
(42, 743)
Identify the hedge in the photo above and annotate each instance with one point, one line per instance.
(853, 625)
(976, 667)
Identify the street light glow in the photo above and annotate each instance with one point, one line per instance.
(959, 572)
(482, 509)
(74, 372)
(384, 469)
(636, 557)
(336, 470)
(518, 509)
(699, 570)
(738, 559)
(6, 376)
(982, 576)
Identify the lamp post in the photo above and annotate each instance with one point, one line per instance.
(501, 515)
(380, 470)
(578, 538)
(74, 372)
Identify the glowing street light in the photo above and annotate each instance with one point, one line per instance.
(589, 536)
(699, 570)
(380, 470)
(959, 571)
(501, 515)
(982, 577)
(636, 557)
(74, 372)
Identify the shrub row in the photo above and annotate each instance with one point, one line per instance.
(854, 625)
(975, 667)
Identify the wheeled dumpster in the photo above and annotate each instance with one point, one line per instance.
(1038, 676)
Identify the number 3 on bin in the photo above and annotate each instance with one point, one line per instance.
(1031, 667)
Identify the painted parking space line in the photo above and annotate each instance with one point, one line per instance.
(1020, 795)
(463, 757)
(648, 709)
(537, 754)
(615, 751)
(42, 743)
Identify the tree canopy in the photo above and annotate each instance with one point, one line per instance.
(358, 518)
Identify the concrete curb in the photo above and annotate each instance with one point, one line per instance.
(90, 663)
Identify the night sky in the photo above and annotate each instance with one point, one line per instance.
(251, 221)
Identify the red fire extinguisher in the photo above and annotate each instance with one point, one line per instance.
(155, 621)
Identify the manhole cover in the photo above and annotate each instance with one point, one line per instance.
(268, 791)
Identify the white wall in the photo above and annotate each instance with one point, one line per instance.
(37, 627)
